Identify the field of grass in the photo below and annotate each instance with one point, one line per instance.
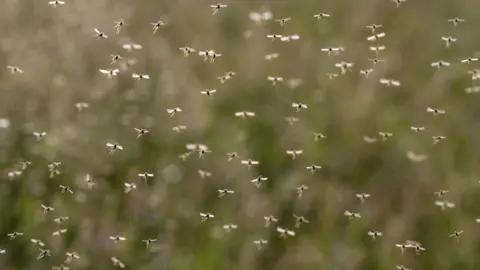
(60, 56)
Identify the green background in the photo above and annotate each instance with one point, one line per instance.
(60, 56)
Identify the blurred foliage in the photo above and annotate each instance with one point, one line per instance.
(60, 56)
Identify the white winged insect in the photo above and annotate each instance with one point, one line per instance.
(260, 243)
(282, 21)
(444, 204)
(440, 193)
(414, 157)
(66, 189)
(258, 17)
(385, 135)
(115, 57)
(37, 242)
(438, 138)
(294, 153)
(455, 21)
(109, 72)
(435, 111)
(230, 227)
(149, 241)
(320, 16)
(89, 181)
(258, 181)
(113, 147)
(81, 106)
(291, 120)
(209, 54)
(14, 174)
(117, 238)
(351, 215)
(118, 25)
(376, 37)
(140, 76)
(475, 74)
(375, 61)
(269, 220)
(271, 56)
(390, 82)
(13, 235)
(274, 80)
(56, 3)
(244, 114)
(208, 92)
(319, 136)
(179, 128)
(344, 66)
(156, 25)
(440, 64)
(217, 7)
(448, 41)
(173, 111)
(43, 253)
(313, 168)
(417, 129)
(377, 49)
(374, 234)
(330, 50)
(99, 34)
(469, 60)
(299, 220)
(290, 38)
(249, 163)
(206, 216)
(60, 220)
(366, 72)
(47, 209)
(201, 149)
(273, 37)
(39, 135)
(374, 27)
(129, 187)
(301, 189)
(141, 131)
(362, 196)
(187, 50)
(223, 192)
(472, 90)
(204, 174)
(456, 234)
(232, 156)
(145, 176)
(284, 233)
(14, 69)
(116, 262)
(132, 46)
(227, 76)
(299, 106)
(398, 2)
(59, 232)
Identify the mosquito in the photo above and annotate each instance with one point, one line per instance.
(110, 72)
(118, 25)
(56, 3)
(113, 147)
(284, 233)
(157, 25)
(99, 34)
(217, 7)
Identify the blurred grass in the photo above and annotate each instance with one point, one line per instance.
(60, 55)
